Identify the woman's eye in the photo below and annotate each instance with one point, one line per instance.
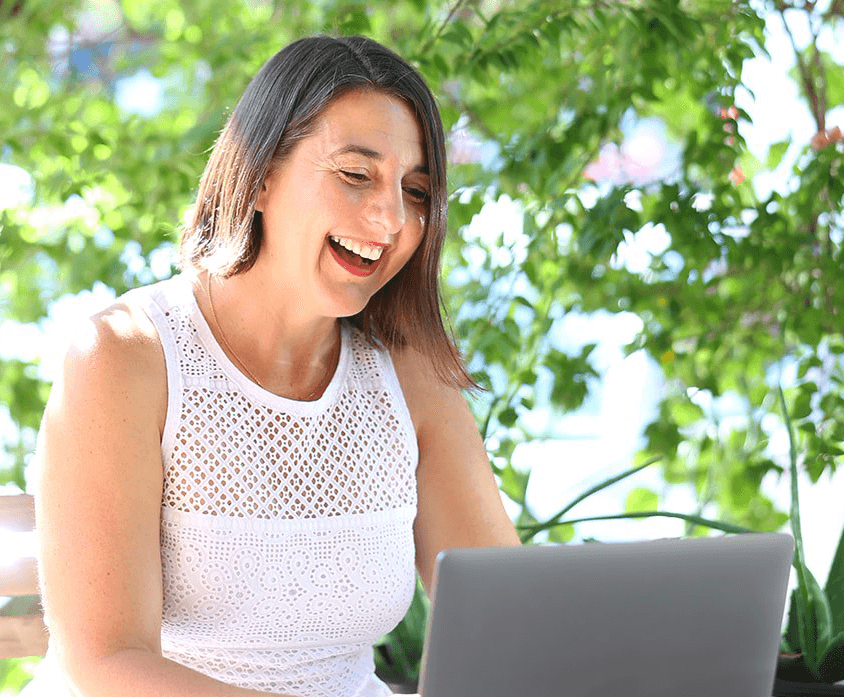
(418, 195)
(356, 177)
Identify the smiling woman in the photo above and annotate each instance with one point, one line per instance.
(239, 467)
(282, 106)
(360, 179)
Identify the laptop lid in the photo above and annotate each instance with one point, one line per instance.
(665, 618)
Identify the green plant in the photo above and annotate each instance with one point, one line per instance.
(15, 673)
(529, 532)
(399, 654)
(815, 625)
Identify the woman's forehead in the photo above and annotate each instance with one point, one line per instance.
(371, 124)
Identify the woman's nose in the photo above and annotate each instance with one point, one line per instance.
(386, 209)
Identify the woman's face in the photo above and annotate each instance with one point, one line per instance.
(346, 210)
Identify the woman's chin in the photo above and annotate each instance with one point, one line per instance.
(348, 302)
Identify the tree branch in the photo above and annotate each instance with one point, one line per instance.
(438, 33)
(816, 101)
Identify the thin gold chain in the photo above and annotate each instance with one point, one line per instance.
(322, 383)
(223, 336)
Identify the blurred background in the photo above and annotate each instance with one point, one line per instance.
(644, 267)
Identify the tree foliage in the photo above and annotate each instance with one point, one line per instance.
(534, 95)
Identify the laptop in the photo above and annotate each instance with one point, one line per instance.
(697, 617)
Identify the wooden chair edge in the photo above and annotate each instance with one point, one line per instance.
(22, 629)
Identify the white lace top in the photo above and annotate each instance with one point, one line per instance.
(286, 527)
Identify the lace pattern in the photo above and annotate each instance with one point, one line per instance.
(285, 583)
(288, 606)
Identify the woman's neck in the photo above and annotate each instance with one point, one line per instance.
(267, 333)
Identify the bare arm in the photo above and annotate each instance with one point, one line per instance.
(98, 498)
(459, 504)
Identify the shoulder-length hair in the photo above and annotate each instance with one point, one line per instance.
(281, 106)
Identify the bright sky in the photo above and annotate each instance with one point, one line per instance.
(601, 438)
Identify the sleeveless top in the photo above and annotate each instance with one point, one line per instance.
(286, 527)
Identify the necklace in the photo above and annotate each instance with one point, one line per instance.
(323, 383)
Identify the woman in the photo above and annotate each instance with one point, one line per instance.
(239, 466)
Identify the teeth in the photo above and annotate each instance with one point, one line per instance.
(363, 250)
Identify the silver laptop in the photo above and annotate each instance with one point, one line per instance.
(667, 618)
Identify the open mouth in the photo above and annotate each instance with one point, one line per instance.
(358, 259)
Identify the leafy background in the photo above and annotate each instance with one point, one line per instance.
(110, 108)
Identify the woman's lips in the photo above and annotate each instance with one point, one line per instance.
(351, 262)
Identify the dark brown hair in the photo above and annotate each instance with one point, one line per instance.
(279, 107)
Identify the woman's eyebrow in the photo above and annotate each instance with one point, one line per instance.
(371, 154)
(359, 150)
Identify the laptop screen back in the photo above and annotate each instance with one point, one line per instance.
(667, 618)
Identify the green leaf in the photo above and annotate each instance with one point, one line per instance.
(834, 81)
(640, 499)
(555, 519)
(532, 530)
(834, 588)
(831, 666)
(507, 417)
(776, 153)
(561, 534)
(686, 413)
(514, 483)
(814, 619)
(458, 33)
(791, 636)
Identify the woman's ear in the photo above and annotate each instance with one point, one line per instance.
(262, 198)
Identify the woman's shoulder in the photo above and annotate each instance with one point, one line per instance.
(411, 365)
(114, 352)
(125, 335)
(426, 394)
(123, 331)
